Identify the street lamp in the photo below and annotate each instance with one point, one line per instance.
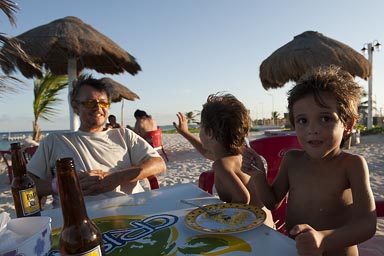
(370, 48)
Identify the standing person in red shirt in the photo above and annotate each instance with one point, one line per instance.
(144, 123)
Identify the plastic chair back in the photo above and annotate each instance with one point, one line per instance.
(206, 181)
(28, 152)
(6, 154)
(153, 182)
(273, 149)
(154, 138)
(379, 207)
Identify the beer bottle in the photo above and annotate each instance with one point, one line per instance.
(79, 235)
(23, 187)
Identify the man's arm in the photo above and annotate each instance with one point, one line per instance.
(94, 182)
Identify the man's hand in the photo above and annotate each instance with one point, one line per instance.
(93, 182)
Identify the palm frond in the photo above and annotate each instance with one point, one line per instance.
(46, 91)
(10, 84)
(9, 8)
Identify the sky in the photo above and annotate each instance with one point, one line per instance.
(189, 49)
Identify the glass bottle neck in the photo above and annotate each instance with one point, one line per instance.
(71, 196)
(18, 163)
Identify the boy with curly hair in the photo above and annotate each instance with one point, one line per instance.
(330, 207)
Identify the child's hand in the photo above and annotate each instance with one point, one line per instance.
(182, 127)
(253, 164)
(308, 240)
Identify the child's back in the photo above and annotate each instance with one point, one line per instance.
(233, 185)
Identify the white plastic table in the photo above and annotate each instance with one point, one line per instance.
(152, 223)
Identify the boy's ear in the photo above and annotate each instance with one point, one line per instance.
(349, 127)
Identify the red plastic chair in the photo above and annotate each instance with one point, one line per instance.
(206, 181)
(379, 207)
(153, 182)
(272, 149)
(28, 152)
(6, 154)
(154, 138)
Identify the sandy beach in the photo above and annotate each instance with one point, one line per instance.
(185, 165)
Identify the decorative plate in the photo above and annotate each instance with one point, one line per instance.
(242, 217)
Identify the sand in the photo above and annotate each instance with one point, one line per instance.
(185, 165)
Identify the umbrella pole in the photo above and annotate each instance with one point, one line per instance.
(122, 113)
(73, 119)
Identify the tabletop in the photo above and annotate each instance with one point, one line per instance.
(152, 223)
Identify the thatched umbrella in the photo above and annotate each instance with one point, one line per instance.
(67, 46)
(307, 50)
(118, 93)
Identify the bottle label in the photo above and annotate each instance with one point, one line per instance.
(29, 201)
(93, 252)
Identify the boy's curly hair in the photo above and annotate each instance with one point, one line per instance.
(330, 79)
(226, 119)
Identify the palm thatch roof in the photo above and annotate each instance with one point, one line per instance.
(307, 50)
(118, 91)
(53, 44)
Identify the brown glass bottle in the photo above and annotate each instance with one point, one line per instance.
(79, 235)
(23, 187)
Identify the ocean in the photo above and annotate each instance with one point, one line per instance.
(6, 138)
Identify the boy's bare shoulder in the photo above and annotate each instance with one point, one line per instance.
(294, 154)
(350, 156)
(227, 164)
(353, 161)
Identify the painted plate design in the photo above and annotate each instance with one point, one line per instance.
(242, 217)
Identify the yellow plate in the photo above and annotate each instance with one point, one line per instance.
(243, 217)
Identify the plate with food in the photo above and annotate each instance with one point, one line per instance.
(228, 218)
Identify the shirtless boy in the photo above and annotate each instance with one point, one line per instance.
(330, 207)
(225, 123)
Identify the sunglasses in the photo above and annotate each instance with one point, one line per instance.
(94, 103)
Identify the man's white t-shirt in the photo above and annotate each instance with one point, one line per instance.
(109, 151)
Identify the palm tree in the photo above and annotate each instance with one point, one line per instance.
(45, 91)
(9, 83)
(275, 116)
(191, 116)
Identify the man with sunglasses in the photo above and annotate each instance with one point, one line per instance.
(108, 161)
